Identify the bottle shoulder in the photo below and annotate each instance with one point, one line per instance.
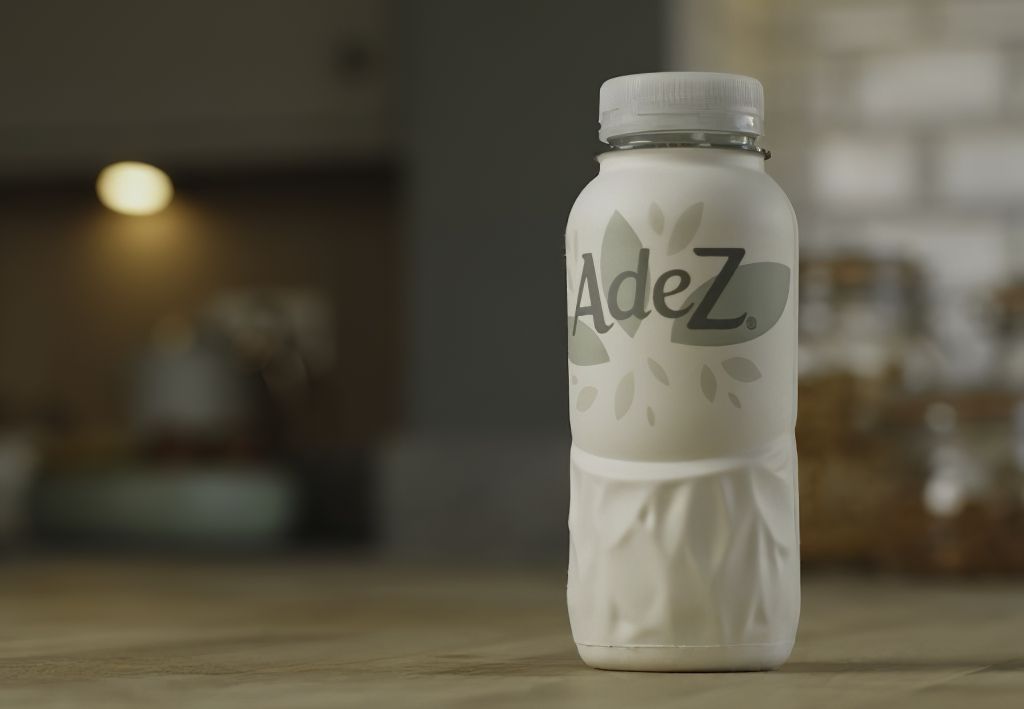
(738, 189)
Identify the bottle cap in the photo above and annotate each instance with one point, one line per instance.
(681, 101)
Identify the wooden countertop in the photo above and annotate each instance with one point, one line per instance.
(326, 633)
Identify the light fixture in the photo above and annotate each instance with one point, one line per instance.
(135, 188)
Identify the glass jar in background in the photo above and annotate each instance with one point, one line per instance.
(912, 457)
(863, 343)
(866, 318)
(969, 494)
(1009, 302)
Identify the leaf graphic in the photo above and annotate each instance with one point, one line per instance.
(656, 217)
(708, 383)
(650, 415)
(585, 347)
(761, 290)
(620, 251)
(657, 371)
(685, 228)
(624, 395)
(586, 398)
(735, 401)
(741, 369)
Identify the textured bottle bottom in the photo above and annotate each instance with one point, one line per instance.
(687, 658)
(690, 565)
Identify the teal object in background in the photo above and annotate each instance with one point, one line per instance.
(191, 506)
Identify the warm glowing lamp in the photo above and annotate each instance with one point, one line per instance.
(134, 188)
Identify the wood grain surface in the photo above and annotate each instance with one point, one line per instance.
(326, 632)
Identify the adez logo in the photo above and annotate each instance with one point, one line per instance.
(740, 303)
(667, 284)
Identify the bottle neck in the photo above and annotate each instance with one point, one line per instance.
(718, 142)
(687, 139)
(737, 149)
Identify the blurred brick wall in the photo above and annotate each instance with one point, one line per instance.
(895, 127)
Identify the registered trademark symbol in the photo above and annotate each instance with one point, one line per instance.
(751, 322)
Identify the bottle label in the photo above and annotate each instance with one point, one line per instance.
(741, 302)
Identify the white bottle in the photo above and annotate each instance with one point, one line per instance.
(681, 291)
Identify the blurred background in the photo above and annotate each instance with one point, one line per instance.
(324, 313)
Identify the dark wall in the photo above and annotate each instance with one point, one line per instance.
(501, 131)
(193, 85)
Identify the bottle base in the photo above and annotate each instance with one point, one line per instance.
(686, 658)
